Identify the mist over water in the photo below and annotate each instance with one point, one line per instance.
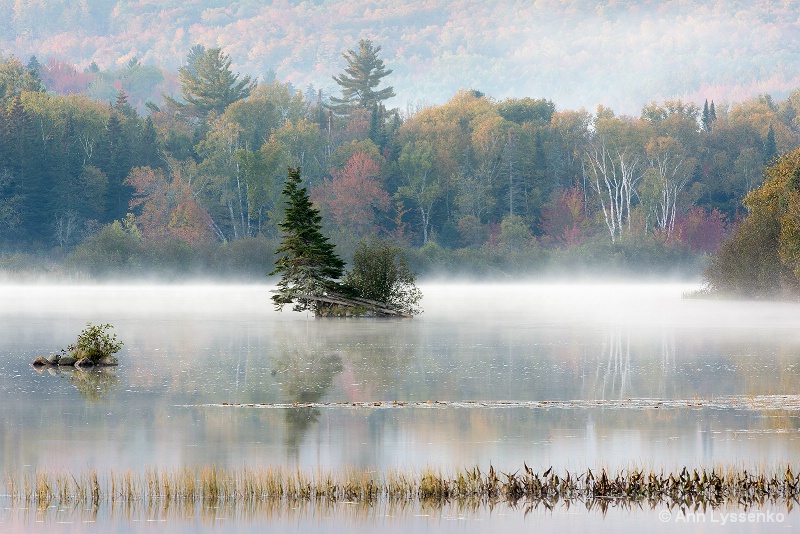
(565, 375)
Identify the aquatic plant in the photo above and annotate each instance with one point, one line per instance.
(209, 485)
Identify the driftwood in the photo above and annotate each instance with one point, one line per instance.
(378, 308)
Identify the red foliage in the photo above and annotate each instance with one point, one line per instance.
(564, 218)
(64, 79)
(353, 195)
(700, 230)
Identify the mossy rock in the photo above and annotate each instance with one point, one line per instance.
(67, 360)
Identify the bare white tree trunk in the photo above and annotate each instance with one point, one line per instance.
(672, 178)
(614, 174)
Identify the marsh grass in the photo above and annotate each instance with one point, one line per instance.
(162, 490)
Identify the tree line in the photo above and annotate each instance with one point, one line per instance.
(512, 180)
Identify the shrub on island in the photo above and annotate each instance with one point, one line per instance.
(94, 346)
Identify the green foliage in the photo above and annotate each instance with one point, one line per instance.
(762, 257)
(380, 272)
(530, 110)
(747, 264)
(116, 248)
(208, 84)
(95, 342)
(362, 75)
(308, 264)
(15, 78)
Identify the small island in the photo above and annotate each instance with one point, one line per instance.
(95, 346)
(379, 284)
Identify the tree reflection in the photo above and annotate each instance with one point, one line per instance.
(304, 377)
(94, 385)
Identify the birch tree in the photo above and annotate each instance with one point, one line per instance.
(420, 183)
(613, 169)
(669, 172)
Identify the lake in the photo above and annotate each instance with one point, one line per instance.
(573, 376)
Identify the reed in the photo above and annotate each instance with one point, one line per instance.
(212, 485)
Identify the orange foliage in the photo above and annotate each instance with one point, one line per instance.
(353, 195)
(168, 210)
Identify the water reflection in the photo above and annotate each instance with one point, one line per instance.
(391, 516)
(190, 350)
(93, 384)
(303, 377)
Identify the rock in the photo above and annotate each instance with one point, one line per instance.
(53, 359)
(67, 360)
(84, 362)
(107, 360)
(41, 361)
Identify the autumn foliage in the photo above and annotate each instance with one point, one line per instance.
(762, 257)
(166, 208)
(353, 196)
(564, 219)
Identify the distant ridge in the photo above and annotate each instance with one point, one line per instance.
(577, 53)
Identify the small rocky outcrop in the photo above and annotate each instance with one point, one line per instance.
(94, 347)
(67, 360)
(41, 361)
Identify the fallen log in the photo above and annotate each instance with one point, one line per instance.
(355, 303)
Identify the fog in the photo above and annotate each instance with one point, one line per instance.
(543, 303)
(578, 53)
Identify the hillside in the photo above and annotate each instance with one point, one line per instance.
(578, 53)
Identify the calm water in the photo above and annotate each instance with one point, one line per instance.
(572, 376)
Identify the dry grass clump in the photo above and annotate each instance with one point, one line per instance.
(213, 485)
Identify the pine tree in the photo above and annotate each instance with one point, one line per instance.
(706, 118)
(208, 84)
(362, 75)
(309, 265)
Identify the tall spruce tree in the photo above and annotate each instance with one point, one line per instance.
(362, 75)
(308, 265)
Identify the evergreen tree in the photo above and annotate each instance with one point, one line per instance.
(123, 107)
(770, 148)
(706, 117)
(362, 75)
(309, 265)
(149, 149)
(208, 84)
(114, 159)
(28, 166)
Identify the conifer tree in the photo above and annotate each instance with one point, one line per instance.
(208, 84)
(770, 148)
(309, 265)
(362, 75)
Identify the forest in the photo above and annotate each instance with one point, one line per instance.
(123, 183)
